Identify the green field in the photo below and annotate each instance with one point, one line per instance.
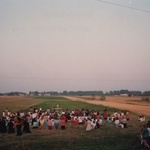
(74, 137)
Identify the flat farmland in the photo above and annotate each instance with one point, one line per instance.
(74, 136)
(133, 104)
(17, 103)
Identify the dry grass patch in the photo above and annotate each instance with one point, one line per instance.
(17, 103)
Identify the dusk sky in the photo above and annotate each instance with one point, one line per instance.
(57, 45)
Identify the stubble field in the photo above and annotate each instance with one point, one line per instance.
(133, 104)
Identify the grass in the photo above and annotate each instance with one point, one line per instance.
(74, 137)
(64, 103)
(17, 103)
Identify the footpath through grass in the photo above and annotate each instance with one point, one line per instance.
(74, 137)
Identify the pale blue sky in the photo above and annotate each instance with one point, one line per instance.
(56, 45)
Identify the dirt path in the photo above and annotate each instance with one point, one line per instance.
(142, 109)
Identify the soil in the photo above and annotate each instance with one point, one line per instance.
(133, 104)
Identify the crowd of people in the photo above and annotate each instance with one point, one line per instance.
(56, 118)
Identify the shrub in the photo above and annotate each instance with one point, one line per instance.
(102, 98)
(145, 99)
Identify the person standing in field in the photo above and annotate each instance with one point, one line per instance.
(3, 128)
(145, 136)
(26, 127)
(89, 125)
(19, 127)
(50, 124)
(56, 121)
(62, 123)
(117, 122)
(10, 127)
(127, 116)
(42, 121)
(105, 115)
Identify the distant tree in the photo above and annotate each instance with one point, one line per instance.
(106, 94)
(111, 93)
(53, 93)
(129, 95)
(116, 92)
(136, 93)
(1, 94)
(30, 92)
(36, 93)
(65, 93)
(124, 92)
(146, 93)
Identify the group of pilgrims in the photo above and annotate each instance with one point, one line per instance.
(56, 118)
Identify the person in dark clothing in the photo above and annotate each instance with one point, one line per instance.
(18, 127)
(10, 127)
(97, 124)
(3, 128)
(0, 125)
(26, 128)
(145, 136)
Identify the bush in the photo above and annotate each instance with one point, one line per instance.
(145, 99)
(102, 98)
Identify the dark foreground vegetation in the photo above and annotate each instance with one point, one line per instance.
(74, 137)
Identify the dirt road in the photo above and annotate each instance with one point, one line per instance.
(123, 104)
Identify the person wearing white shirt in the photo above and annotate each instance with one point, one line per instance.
(117, 122)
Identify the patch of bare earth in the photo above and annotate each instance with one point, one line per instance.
(133, 104)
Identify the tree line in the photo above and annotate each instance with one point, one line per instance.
(98, 93)
(81, 93)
